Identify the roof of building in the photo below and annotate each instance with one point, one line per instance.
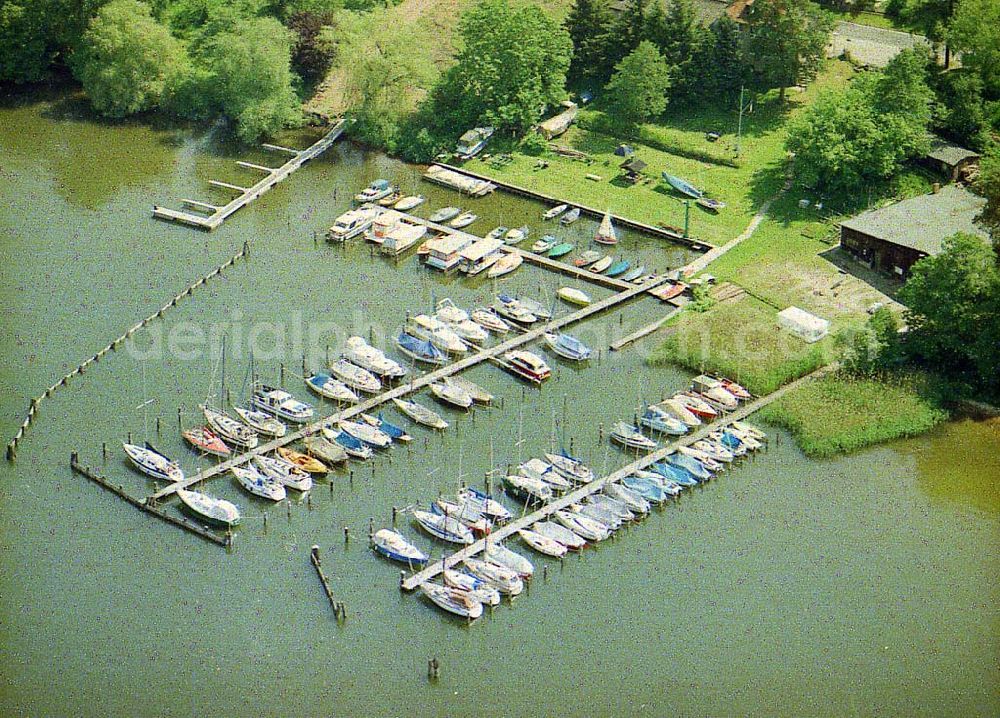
(923, 222)
(948, 152)
(634, 165)
(737, 9)
(481, 248)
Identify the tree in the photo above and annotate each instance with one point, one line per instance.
(314, 48)
(851, 138)
(375, 94)
(717, 66)
(638, 89)
(512, 66)
(25, 51)
(678, 36)
(589, 27)
(928, 17)
(628, 30)
(250, 68)
(952, 301)
(988, 185)
(960, 113)
(874, 348)
(975, 32)
(126, 59)
(785, 42)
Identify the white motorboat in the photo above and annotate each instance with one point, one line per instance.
(377, 190)
(677, 410)
(352, 223)
(229, 429)
(555, 211)
(371, 435)
(452, 394)
(459, 321)
(538, 469)
(488, 319)
(711, 465)
(463, 220)
(500, 577)
(445, 528)
(453, 600)
(567, 346)
(630, 498)
(326, 386)
(364, 355)
(601, 264)
(261, 421)
(542, 544)
(216, 511)
(527, 365)
(409, 202)
(561, 534)
(570, 467)
(258, 484)
(424, 326)
(355, 377)
(153, 463)
(284, 472)
(282, 404)
(584, 526)
(444, 214)
(514, 236)
(421, 414)
(477, 588)
(500, 554)
(394, 545)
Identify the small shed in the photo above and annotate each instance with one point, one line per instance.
(633, 168)
(802, 324)
(950, 159)
(624, 150)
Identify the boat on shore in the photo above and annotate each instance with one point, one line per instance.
(153, 463)
(682, 186)
(257, 484)
(420, 414)
(326, 386)
(206, 441)
(712, 205)
(216, 511)
(393, 545)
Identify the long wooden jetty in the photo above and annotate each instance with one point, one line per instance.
(217, 215)
(413, 581)
(649, 229)
(489, 354)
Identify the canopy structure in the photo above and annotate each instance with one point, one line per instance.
(802, 324)
(624, 151)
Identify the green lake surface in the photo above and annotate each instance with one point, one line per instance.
(862, 585)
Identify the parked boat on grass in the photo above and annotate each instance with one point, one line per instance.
(682, 186)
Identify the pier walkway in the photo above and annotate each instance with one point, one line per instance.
(218, 215)
(413, 581)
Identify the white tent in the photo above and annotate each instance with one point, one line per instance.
(802, 324)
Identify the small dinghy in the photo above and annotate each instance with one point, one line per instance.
(326, 386)
(453, 600)
(560, 534)
(206, 441)
(475, 587)
(228, 429)
(488, 319)
(542, 544)
(631, 437)
(217, 511)
(583, 526)
(499, 577)
(467, 515)
(486, 505)
(500, 554)
(445, 528)
(420, 349)
(303, 461)
(528, 488)
(355, 448)
(257, 484)
(506, 306)
(396, 433)
(463, 220)
(586, 258)
(514, 236)
(647, 488)
(606, 231)
(367, 433)
(261, 422)
(567, 347)
(527, 365)
(394, 546)
(544, 244)
(282, 404)
(555, 211)
(601, 264)
(420, 414)
(570, 467)
(324, 450)
(409, 202)
(390, 199)
(570, 217)
(658, 419)
(712, 205)
(574, 296)
(152, 463)
(355, 377)
(561, 250)
(634, 273)
(374, 360)
(505, 265)
(627, 496)
(619, 267)
(283, 472)
(445, 213)
(451, 394)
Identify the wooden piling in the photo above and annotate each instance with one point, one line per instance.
(317, 564)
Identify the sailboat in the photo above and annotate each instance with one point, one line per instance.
(606, 232)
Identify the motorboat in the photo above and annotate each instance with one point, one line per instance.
(305, 462)
(631, 437)
(691, 465)
(711, 390)
(375, 191)
(535, 307)
(477, 589)
(583, 526)
(570, 217)
(586, 258)
(463, 220)
(714, 450)
(229, 429)
(570, 467)
(444, 214)
(354, 448)
(601, 264)
(516, 235)
(528, 488)
(445, 528)
(355, 377)
(616, 507)
(393, 545)
(679, 411)
(555, 211)
(501, 578)
(472, 142)
(396, 433)
(606, 231)
(544, 244)
(420, 414)
(567, 347)
(261, 421)
(152, 463)
(460, 322)
(424, 326)
(479, 394)
(527, 365)
(449, 393)
(216, 511)
(206, 441)
(283, 472)
(420, 349)
(598, 514)
(488, 319)
(257, 484)
(559, 533)
(484, 504)
(367, 433)
(352, 223)
(498, 232)
(509, 307)
(561, 250)
(542, 544)
(633, 501)
(713, 465)
(409, 202)
(326, 386)
(324, 450)
(574, 296)
(505, 265)
(371, 359)
(282, 404)
(735, 389)
(696, 405)
(675, 474)
(453, 600)
(660, 420)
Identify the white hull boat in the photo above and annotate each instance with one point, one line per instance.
(438, 333)
(631, 437)
(282, 404)
(393, 545)
(583, 526)
(229, 429)
(477, 589)
(451, 394)
(499, 577)
(367, 433)
(488, 319)
(542, 544)
(328, 387)
(500, 554)
(362, 354)
(444, 527)
(453, 600)
(571, 468)
(559, 533)
(216, 511)
(258, 484)
(153, 463)
(355, 377)
(261, 422)
(420, 414)
(283, 472)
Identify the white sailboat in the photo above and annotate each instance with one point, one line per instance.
(606, 232)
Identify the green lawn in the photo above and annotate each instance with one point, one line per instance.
(837, 413)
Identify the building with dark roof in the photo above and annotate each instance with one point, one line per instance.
(890, 239)
(950, 159)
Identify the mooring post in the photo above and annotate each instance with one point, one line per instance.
(130, 437)
(179, 420)
(265, 522)
(402, 578)
(371, 527)
(104, 450)
(433, 669)
(157, 426)
(347, 535)
(394, 512)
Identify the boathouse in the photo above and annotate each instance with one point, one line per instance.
(951, 160)
(892, 238)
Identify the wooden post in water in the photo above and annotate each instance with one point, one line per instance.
(314, 557)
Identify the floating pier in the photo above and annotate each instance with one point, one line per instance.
(433, 569)
(274, 175)
(643, 331)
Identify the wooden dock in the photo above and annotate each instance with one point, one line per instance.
(413, 581)
(416, 383)
(643, 331)
(215, 216)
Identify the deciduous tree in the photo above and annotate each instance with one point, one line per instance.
(785, 42)
(974, 31)
(638, 89)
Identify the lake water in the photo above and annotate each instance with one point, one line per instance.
(857, 585)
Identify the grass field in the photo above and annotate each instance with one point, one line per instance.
(837, 413)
